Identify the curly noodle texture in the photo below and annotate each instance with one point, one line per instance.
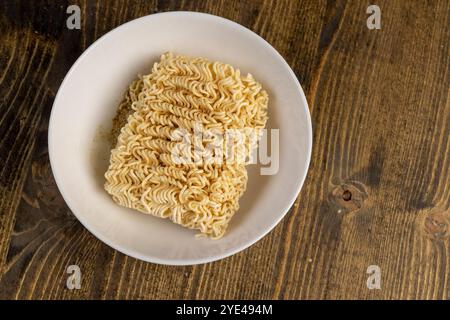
(178, 96)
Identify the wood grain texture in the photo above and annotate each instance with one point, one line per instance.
(378, 188)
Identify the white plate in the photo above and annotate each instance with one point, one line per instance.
(87, 100)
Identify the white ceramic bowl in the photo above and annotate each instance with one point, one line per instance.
(87, 100)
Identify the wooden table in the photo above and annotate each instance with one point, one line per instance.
(378, 188)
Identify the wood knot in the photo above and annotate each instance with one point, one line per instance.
(349, 196)
(436, 223)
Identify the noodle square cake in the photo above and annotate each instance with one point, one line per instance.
(161, 166)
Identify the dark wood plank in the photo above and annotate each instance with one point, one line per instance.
(377, 192)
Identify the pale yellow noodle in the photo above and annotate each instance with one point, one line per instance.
(179, 94)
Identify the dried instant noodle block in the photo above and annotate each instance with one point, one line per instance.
(180, 96)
